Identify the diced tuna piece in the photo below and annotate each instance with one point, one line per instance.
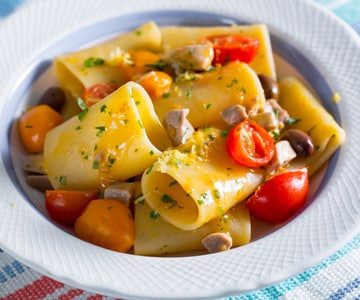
(124, 191)
(218, 241)
(234, 114)
(284, 153)
(178, 126)
(196, 57)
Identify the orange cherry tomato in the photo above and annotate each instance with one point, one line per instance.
(66, 206)
(233, 47)
(107, 223)
(250, 144)
(141, 61)
(156, 83)
(281, 197)
(97, 92)
(35, 123)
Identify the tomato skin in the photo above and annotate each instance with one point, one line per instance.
(34, 125)
(281, 197)
(249, 144)
(97, 92)
(233, 47)
(66, 206)
(156, 83)
(107, 223)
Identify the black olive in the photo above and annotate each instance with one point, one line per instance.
(54, 97)
(270, 86)
(300, 141)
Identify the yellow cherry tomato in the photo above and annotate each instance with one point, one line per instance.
(35, 123)
(156, 83)
(107, 223)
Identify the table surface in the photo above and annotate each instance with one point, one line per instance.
(337, 277)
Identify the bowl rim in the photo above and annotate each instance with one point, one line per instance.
(15, 209)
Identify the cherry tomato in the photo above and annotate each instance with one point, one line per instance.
(250, 144)
(34, 125)
(156, 83)
(66, 206)
(107, 223)
(233, 47)
(98, 91)
(281, 197)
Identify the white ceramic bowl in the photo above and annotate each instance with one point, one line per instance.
(307, 41)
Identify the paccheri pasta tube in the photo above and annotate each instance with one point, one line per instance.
(311, 117)
(155, 236)
(207, 95)
(196, 182)
(74, 73)
(113, 140)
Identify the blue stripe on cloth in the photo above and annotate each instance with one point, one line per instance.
(324, 2)
(341, 293)
(7, 7)
(11, 271)
(278, 290)
(350, 13)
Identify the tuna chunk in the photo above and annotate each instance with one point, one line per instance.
(218, 241)
(123, 191)
(178, 126)
(234, 114)
(196, 57)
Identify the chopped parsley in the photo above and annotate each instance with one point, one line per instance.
(103, 108)
(166, 95)
(165, 198)
(292, 121)
(93, 62)
(159, 65)
(148, 170)
(154, 215)
(189, 92)
(84, 110)
(95, 165)
(100, 129)
(110, 161)
(232, 83)
(63, 180)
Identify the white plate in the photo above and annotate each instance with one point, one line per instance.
(325, 52)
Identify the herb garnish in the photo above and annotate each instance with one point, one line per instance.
(93, 62)
(84, 109)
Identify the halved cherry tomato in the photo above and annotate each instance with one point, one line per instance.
(250, 144)
(281, 197)
(156, 83)
(98, 91)
(233, 47)
(107, 223)
(34, 125)
(66, 206)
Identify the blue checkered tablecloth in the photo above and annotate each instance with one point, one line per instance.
(337, 277)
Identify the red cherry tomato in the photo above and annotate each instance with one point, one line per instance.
(281, 197)
(66, 206)
(98, 91)
(250, 144)
(233, 47)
